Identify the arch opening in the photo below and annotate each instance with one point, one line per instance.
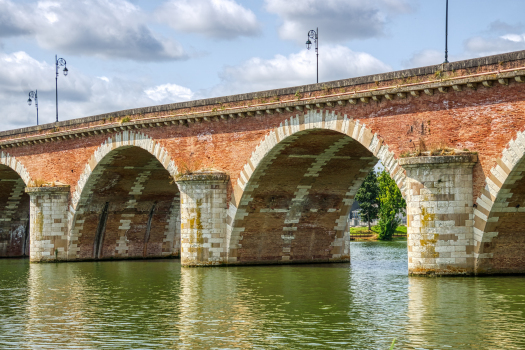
(14, 214)
(500, 222)
(295, 206)
(128, 208)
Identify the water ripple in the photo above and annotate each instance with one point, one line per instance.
(156, 304)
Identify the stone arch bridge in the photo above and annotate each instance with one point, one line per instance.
(269, 177)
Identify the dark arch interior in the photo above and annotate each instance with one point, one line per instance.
(14, 214)
(508, 246)
(130, 208)
(299, 198)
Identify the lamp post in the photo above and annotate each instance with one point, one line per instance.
(34, 94)
(446, 36)
(314, 35)
(59, 62)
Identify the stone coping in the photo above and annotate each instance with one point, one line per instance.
(401, 74)
(203, 176)
(55, 189)
(464, 159)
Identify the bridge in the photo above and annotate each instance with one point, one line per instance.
(269, 177)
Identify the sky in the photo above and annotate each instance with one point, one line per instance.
(127, 54)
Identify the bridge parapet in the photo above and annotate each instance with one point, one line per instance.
(439, 79)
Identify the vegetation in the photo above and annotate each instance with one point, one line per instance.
(391, 204)
(368, 198)
(38, 183)
(363, 231)
(393, 343)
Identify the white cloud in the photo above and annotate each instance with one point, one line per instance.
(425, 58)
(483, 46)
(511, 38)
(79, 95)
(102, 28)
(431, 57)
(335, 62)
(223, 19)
(169, 92)
(13, 19)
(338, 20)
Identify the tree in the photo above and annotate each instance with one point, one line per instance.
(391, 204)
(367, 197)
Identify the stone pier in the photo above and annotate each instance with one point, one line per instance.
(203, 198)
(48, 225)
(440, 214)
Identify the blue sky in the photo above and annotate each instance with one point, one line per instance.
(125, 54)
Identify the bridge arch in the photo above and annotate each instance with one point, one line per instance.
(14, 207)
(336, 136)
(499, 214)
(126, 203)
(13, 163)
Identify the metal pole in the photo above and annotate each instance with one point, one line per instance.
(446, 36)
(56, 83)
(317, 51)
(36, 104)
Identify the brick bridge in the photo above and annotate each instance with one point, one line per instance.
(269, 177)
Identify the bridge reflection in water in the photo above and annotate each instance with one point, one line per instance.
(362, 305)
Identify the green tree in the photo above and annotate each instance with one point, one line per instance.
(391, 204)
(367, 197)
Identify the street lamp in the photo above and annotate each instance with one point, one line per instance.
(34, 94)
(446, 36)
(59, 62)
(314, 35)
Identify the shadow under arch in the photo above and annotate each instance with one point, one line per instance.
(126, 204)
(14, 207)
(293, 196)
(499, 216)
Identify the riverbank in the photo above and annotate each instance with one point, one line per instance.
(363, 234)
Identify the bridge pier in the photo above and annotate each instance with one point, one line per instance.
(440, 214)
(48, 225)
(203, 198)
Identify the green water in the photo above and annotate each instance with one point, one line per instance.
(156, 304)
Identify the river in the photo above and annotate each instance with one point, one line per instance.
(156, 304)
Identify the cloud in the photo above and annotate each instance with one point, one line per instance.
(431, 57)
(13, 19)
(425, 58)
(79, 95)
(490, 46)
(222, 19)
(256, 74)
(102, 28)
(511, 38)
(339, 20)
(168, 91)
(502, 27)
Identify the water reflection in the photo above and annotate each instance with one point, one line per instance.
(54, 312)
(156, 304)
(465, 313)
